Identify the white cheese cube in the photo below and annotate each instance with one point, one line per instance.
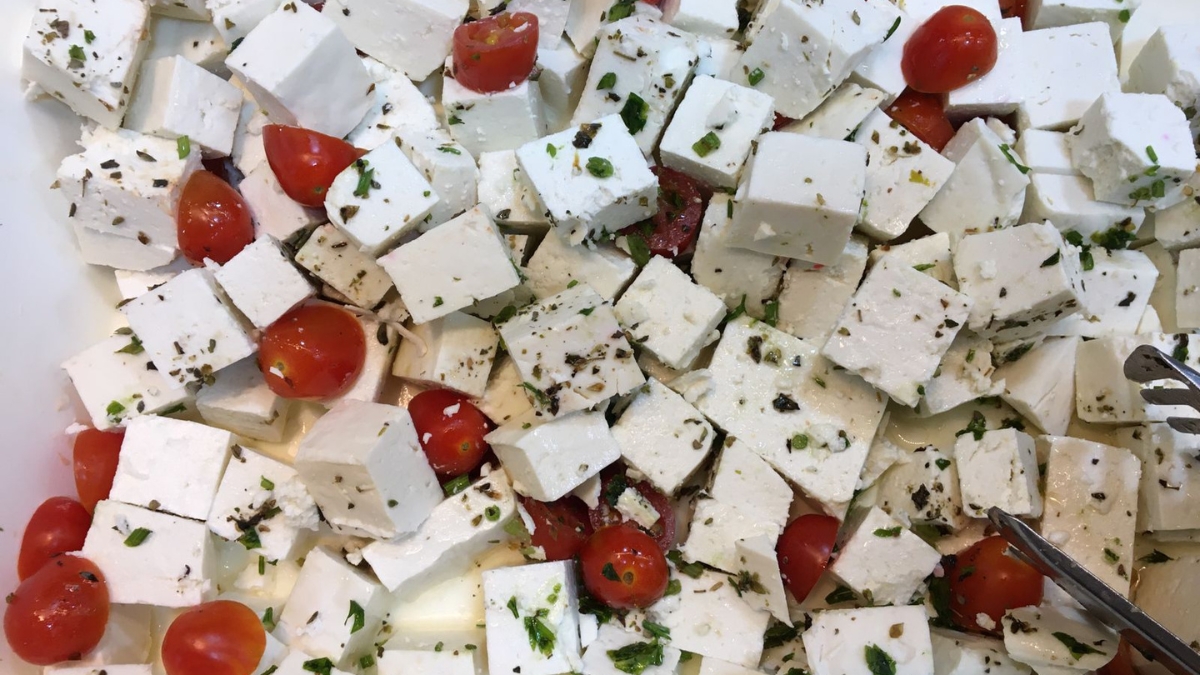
(1000, 469)
(840, 114)
(1176, 227)
(883, 561)
(172, 567)
(708, 18)
(1051, 13)
(957, 653)
(930, 255)
(116, 382)
(715, 530)
(757, 571)
(840, 640)
(663, 436)
(1034, 636)
(718, 57)
(248, 150)
(262, 504)
(379, 198)
(563, 71)
(813, 296)
(1164, 593)
(922, 488)
(114, 250)
(404, 661)
(1187, 300)
(448, 167)
(275, 214)
(171, 465)
(584, 202)
(636, 508)
(707, 617)
(175, 98)
(189, 333)
(454, 352)
(1162, 298)
(611, 637)
(965, 374)
(132, 283)
(1091, 505)
(584, 21)
(127, 639)
(330, 256)
(363, 464)
(503, 120)
(735, 275)
(98, 85)
(1169, 65)
(1068, 202)
(505, 190)
(1150, 322)
(799, 214)
(903, 176)
(1145, 20)
(1005, 86)
(240, 401)
(1168, 484)
(504, 399)
(337, 594)
(447, 544)
(548, 459)
(713, 130)
(412, 36)
(880, 69)
(236, 18)
(552, 18)
(193, 10)
(556, 265)
(668, 314)
(1116, 294)
(398, 107)
(298, 663)
(1045, 152)
(383, 341)
(882, 456)
(571, 352)
(1102, 394)
(741, 477)
(197, 41)
(1065, 70)
(262, 283)
(286, 53)
(544, 597)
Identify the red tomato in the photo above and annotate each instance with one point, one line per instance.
(623, 567)
(59, 613)
(1122, 664)
(956, 46)
(985, 579)
(803, 552)
(306, 162)
(216, 638)
(681, 204)
(560, 527)
(781, 122)
(313, 351)
(606, 513)
(58, 526)
(451, 431)
(213, 220)
(495, 53)
(923, 116)
(1013, 9)
(95, 462)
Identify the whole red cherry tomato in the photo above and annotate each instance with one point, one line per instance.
(313, 351)
(681, 203)
(58, 526)
(623, 567)
(221, 637)
(923, 116)
(96, 454)
(954, 47)
(451, 431)
(59, 613)
(613, 484)
(803, 552)
(560, 527)
(305, 162)
(213, 219)
(495, 53)
(986, 579)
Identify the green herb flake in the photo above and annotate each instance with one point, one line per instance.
(976, 427)
(250, 539)
(321, 666)
(637, 657)
(359, 616)
(137, 537)
(755, 76)
(599, 167)
(76, 53)
(366, 179)
(879, 662)
(888, 532)
(892, 30)
(438, 301)
(551, 150)
(1007, 150)
(266, 483)
(609, 572)
(183, 144)
(839, 595)
(674, 587)
(1111, 555)
(924, 266)
(89, 37)
(942, 463)
(799, 442)
(1155, 557)
(607, 81)
(634, 112)
(456, 485)
(512, 607)
(268, 619)
(639, 249)
(771, 313)
(656, 630)
(1077, 649)
(1052, 260)
(453, 119)
(707, 144)
(134, 347)
(693, 570)
(779, 634)
(366, 661)
(541, 638)
(449, 149)
(622, 9)
(1123, 16)
(262, 565)
(492, 513)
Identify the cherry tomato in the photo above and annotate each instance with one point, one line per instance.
(676, 225)
(495, 53)
(213, 220)
(58, 526)
(1122, 663)
(986, 579)
(623, 567)
(560, 527)
(803, 552)
(221, 637)
(306, 162)
(780, 122)
(606, 513)
(313, 351)
(451, 431)
(954, 47)
(59, 613)
(923, 116)
(1013, 9)
(95, 461)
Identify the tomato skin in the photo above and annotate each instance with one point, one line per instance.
(96, 454)
(1122, 663)
(612, 485)
(221, 637)
(314, 351)
(985, 579)
(455, 444)
(923, 116)
(954, 47)
(1013, 9)
(59, 613)
(213, 220)
(495, 53)
(629, 554)
(305, 162)
(780, 122)
(58, 526)
(676, 225)
(560, 527)
(803, 552)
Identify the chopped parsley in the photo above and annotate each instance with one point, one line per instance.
(924, 266)
(89, 37)
(639, 250)
(839, 595)
(637, 657)
(512, 607)
(492, 513)
(620, 10)
(358, 615)
(634, 112)
(438, 301)
(1155, 557)
(449, 149)
(266, 483)
(1075, 647)
(366, 178)
(976, 427)
(551, 150)
(456, 485)
(771, 313)
(707, 144)
(599, 167)
(755, 76)
(607, 81)
(888, 532)
(366, 661)
(1004, 147)
(656, 630)
(879, 662)
(250, 539)
(321, 666)
(609, 572)
(693, 570)
(137, 537)
(134, 346)
(895, 25)
(268, 619)
(942, 463)
(1052, 260)
(541, 638)
(76, 53)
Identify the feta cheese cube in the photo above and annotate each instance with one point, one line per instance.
(930, 255)
(634, 507)
(262, 504)
(412, 36)
(1162, 298)
(1002, 89)
(503, 120)
(1102, 394)
(398, 107)
(718, 57)
(1032, 636)
(505, 190)
(448, 167)
(741, 477)
(957, 653)
(738, 276)
(275, 214)
(584, 21)
(262, 283)
(363, 464)
(328, 254)
(240, 401)
(612, 636)
(197, 41)
(173, 566)
(383, 341)
(717, 527)
(286, 53)
(171, 465)
(883, 561)
(114, 250)
(799, 214)
(965, 374)
(504, 399)
(1000, 469)
(1066, 70)
(922, 488)
(1164, 594)
(94, 77)
(880, 68)
(839, 115)
(297, 662)
(552, 18)
(599, 188)
(667, 313)
(1052, 13)
(403, 661)
(713, 130)
(757, 570)
(1116, 293)
(556, 265)
(1045, 152)
(1168, 483)
(707, 617)
(175, 98)
(234, 19)
(379, 198)
(1145, 20)
(1169, 65)
(548, 459)
(1068, 202)
(1187, 301)
(840, 640)
(115, 381)
(663, 436)
(563, 71)
(455, 352)
(709, 18)
(545, 601)
(1175, 227)
(813, 296)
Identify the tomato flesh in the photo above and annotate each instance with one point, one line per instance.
(305, 162)
(314, 351)
(803, 552)
(58, 526)
(216, 638)
(623, 567)
(674, 228)
(954, 47)
(923, 116)
(96, 454)
(560, 527)
(495, 53)
(59, 613)
(1122, 663)
(213, 220)
(986, 579)
(451, 431)
(606, 513)
(1013, 9)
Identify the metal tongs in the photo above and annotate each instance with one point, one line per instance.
(1147, 364)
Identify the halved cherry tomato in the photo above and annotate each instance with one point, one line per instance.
(221, 637)
(560, 527)
(213, 220)
(986, 579)
(623, 567)
(676, 225)
(313, 351)
(803, 552)
(1122, 663)
(305, 162)
(95, 460)
(451, 431)
(923, 116)
(58, 526)
(954, 47)
(606, 513)
(59, 613)
(495, 53)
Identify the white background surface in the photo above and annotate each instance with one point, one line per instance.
(51, 304)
